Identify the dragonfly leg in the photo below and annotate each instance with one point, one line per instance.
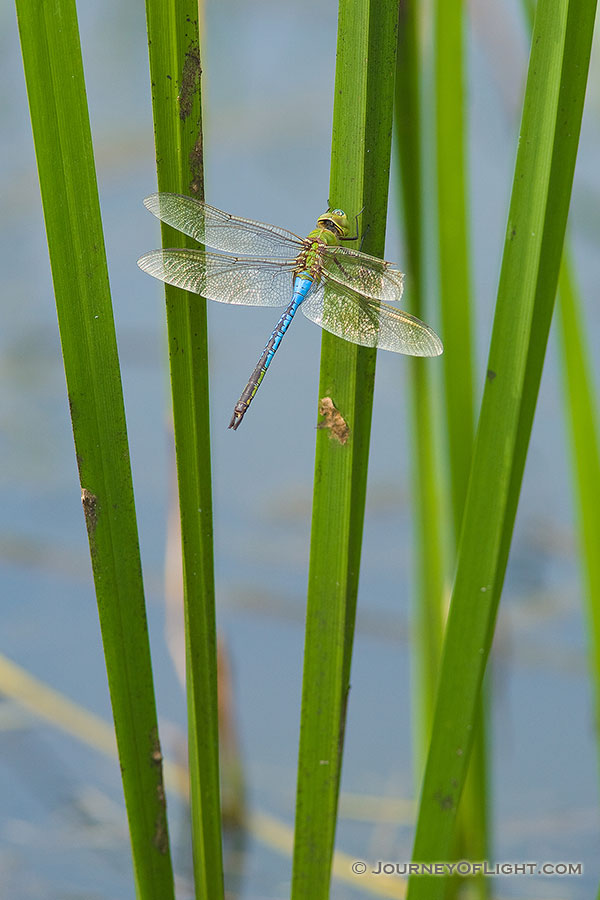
(365, 233)
(355, 237)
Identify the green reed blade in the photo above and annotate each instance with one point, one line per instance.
(537, 219)
(426, 479)
(63, 144)
(427, 501)
(453, 238)
(457, 313)
(580, 410)
(582, 418)
(174, 49)
(362, 124)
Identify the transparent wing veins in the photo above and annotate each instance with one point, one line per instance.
(368, 322)
(367, 275)
(222, 231)
(227, 279)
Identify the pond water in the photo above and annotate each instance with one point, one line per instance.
(268, 73)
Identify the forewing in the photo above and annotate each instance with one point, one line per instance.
(222, 231)
(369, 322)
(226, 279)
(365, 274)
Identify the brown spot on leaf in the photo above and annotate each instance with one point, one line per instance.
(333, 420)
(190, 80)
(445, 801)
(160, 838)
(196, 160)
(190, 88)
(155, 751)
(490, 374)
(90, 510)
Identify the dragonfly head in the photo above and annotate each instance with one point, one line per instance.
(336, 221)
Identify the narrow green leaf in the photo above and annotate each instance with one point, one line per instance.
(455, 295)
(362, 125)
(174, 49)
(61, 130)
(427, 500)
(455, 288)
(537, 219)
(427, 488)
(581, 411)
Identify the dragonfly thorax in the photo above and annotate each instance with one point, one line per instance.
(332, 228)
(308, 261)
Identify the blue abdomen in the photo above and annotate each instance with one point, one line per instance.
(302, 285)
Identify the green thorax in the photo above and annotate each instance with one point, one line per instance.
(332, 227)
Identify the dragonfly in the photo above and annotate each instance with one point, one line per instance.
(345, 291)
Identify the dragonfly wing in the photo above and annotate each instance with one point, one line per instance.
(222, 231)
(227, 279)
(365, 274)
(368, 322)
